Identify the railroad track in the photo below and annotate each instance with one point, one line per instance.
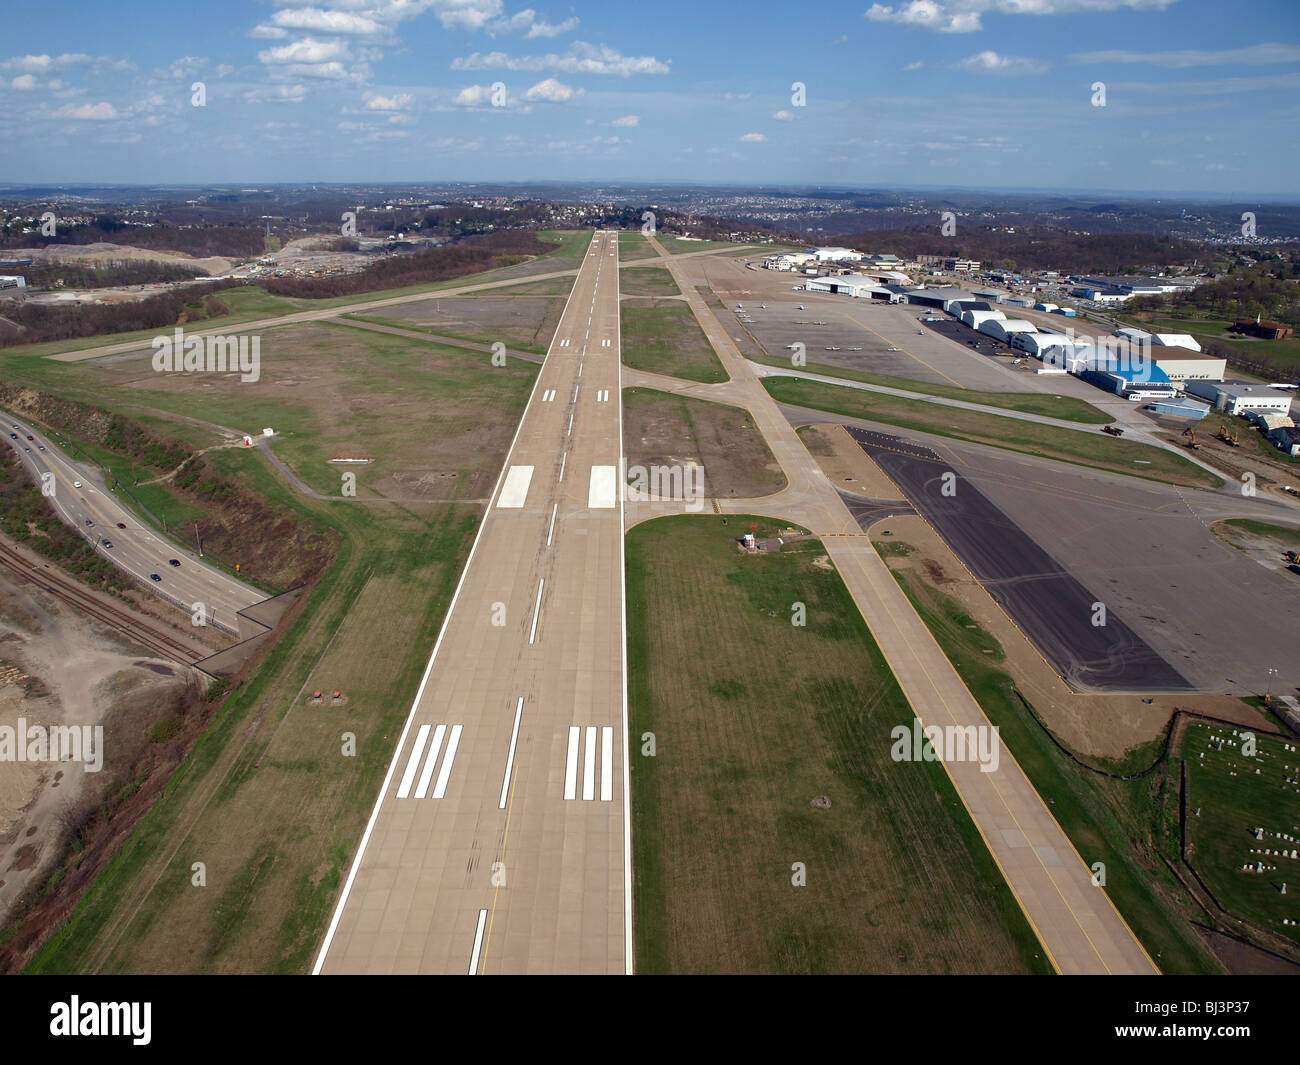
(69, 591)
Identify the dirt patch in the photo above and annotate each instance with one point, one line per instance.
(846, 464)
(63, 669)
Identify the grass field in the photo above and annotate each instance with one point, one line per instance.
(1284, 535)
(661, 429)
(374, 394)
(754, 717)
(272, 800)
(1066, 445)
(1116, 822)
(648, 281)
(663, 337)
(1067, 408)
(1236, 795)
(523, 323)
(633, 246)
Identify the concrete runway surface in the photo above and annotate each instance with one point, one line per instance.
(500, 843)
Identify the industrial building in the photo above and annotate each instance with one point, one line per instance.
(1145, 382)
(1181, 408)
(858, 285)
(1237, 397)
(975, 319)
(13, 286)
(1184, 364)
(835, 255)
(1004, 328)
(1286, 439)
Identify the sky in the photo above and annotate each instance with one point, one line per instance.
(1192, 96)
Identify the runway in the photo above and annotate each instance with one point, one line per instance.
(499, 842)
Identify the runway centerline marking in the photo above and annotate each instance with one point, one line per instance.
(478, 943)
(510, 759)
(551, 531)
(532, 635)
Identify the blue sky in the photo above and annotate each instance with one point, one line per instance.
(1200, 95)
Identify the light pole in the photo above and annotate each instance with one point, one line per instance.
(1268, 687)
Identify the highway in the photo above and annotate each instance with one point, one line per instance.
(499, 842)
(136, 549)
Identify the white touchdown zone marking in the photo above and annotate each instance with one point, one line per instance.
(510, 760)
(413, 762)
(440, 788)
(532, 635)
(601, 494)
(430, 760)
(589, 765)
(571, 764)
(478, 943)
(515, 489)
(606, 763)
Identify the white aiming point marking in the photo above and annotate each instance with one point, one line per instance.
(430, 763)
(601, 494)
(602, 395)
(548, 395)
(604, 343)
(582, 753)
(564, 343)
(515, 489)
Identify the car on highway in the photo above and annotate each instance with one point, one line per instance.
(40, 447)
(174, 561)
(76, 484)
(154, 577)
(13, 436)
(108, 543)
(121, 525)
(30, 437)
(90, 524)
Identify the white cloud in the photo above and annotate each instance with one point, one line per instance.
(320, 21)
(989, 62)
(784, 116)
(396, 102)
(474, 96)
(627, 120)
(308, 50)
(581, 58)
(915, 64)
(101, 112)
(1254, 55)
(530, 25)
(277, 94)
(964, 16)
(754, 138)
(23, 82)
(552, 91)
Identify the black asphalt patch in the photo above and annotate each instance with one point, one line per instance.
(1051, 607)
(869, 511)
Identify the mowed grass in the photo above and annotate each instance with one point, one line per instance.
(663, 337)
(1121, 823)
(1096, 450)
(679, 246)
(327, 389)
(754, 717)
(1236, 795)
(662, 429)
(633, 246)
(526, 324)
(274, 798)
(647, 281)
(1283, 534)
(1067, 408)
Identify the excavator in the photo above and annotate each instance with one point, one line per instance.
(1228, 438)
(1190, 432)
